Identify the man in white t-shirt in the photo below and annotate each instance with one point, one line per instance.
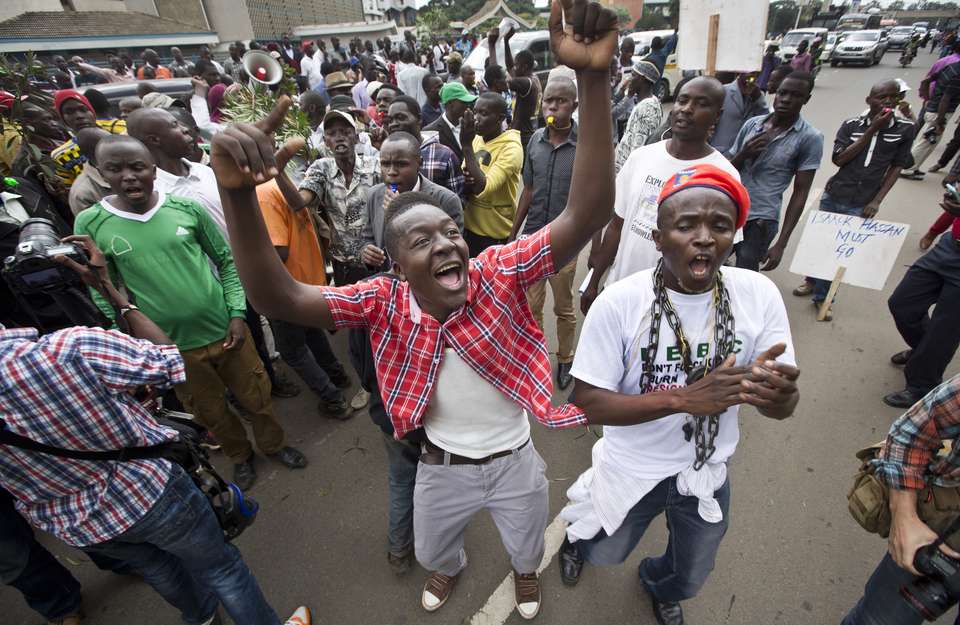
(666, 355)
(628, 241)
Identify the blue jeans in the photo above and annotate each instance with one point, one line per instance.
(829, 205)
(402, 457)
(179, 549)
(25, 564)
(881, 603)
(691, 548)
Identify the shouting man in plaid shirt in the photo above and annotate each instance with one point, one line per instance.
(72, 390)
(452, 332)
(908, 463)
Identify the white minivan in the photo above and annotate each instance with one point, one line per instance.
(790, 41)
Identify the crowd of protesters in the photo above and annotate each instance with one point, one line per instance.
(445, 202)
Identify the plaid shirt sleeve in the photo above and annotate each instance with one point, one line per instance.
(120, 361)
(915, 437)
(529, 259)
(354, 305)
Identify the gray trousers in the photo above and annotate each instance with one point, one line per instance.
(513, 488)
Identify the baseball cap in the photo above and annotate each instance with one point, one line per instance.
(306, 43)
(455, 91)
(709, 177)
(373, 87)
(339, 115)
(647, 70)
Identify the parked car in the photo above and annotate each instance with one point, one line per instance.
(177, 88)
(828, 46)
(864, 46)
(673, 78)
(899, 37)
(536, 41)
(790, 41)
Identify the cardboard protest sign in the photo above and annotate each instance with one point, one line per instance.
(865, 248)
(740, 37)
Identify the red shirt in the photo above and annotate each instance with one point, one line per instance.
(944, 221)
(493, 332)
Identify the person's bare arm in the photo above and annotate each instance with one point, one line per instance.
(471, 165)
(889, 179)
(601, 257)
(242, 157)
(802, 182)
(586, 44)
(523, 206)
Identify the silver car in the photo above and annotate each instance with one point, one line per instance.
(860, 46)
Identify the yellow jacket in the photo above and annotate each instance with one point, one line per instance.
(491, 213)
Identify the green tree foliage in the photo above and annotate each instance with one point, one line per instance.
(782, 16)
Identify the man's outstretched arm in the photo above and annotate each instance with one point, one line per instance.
(586, 41)
(243, 157)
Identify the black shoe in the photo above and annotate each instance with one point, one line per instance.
(283, 387)
(340, 379)
(903, 399)
(334, 409)
(901, 358)
(666, 612)
(291, 457)
(571, 563)
(400, 565)
(563, 375)
(244, 474)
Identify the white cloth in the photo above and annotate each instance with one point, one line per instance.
(199, 185)
(468, 416)
(310, 68)
(410, 81)
(201, 114)
(639, 182)
(630, 460)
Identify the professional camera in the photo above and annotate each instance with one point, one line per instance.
(939, 588)
(31, 269)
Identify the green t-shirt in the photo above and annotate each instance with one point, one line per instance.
(163, 259)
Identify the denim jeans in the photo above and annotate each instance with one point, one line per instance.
(402, 457)
(691, 548)
(308, 352)
(881, 603)
(758, 234)
(178, 548)
(25, 564)
(829, 205)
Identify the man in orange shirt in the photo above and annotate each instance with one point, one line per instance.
(151, 58)
(306, 350)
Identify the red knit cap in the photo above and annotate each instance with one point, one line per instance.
(69, 94)
(6, 100)
(710, 177)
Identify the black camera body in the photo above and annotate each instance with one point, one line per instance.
(32, 268)
(939, 588)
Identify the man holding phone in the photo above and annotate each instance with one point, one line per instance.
(934, 280)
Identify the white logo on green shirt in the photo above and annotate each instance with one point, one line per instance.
(182, 232)
(119, 245)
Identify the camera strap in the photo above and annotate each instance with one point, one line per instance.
(127, 453)
(947, 533)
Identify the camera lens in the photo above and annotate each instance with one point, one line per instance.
(929, 597)
(40, 233)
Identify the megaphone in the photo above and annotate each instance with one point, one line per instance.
(262, 68)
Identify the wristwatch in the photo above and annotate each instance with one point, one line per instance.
(125, 309)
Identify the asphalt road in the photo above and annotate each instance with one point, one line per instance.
(792, 554)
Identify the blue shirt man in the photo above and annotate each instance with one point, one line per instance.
(771, 151)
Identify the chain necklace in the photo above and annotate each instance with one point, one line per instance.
(703, 428)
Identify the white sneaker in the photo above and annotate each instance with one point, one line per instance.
(360, 400)
(300, 617)
(527, 588)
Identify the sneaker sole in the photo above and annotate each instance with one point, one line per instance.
(423, 604)
(530, 617)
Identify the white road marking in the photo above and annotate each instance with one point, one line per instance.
(502, 602)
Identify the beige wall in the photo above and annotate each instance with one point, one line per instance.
(185, 11)
(229, 18)
(100, 5)
(13, 8)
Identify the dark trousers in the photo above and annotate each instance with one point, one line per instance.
(308, 352)
(476, 243)
(934, 280)
(345, 273)
(691, 547)
(881, 603)
(25, 564)
(256, 331)
(951, 150)
(758, 234)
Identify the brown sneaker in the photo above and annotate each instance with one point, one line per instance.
(805, 288)
(527, 587)
(436, 591)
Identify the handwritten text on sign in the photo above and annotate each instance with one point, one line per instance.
(866, 247)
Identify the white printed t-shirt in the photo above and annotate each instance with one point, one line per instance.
(639, 183)
(629, 461)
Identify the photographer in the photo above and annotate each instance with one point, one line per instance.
(908, 463)
(72, 389)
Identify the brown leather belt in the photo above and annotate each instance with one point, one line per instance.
(431, 454)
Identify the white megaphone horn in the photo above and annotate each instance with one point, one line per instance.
(262, 68)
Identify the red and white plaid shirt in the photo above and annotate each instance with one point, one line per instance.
(71, 389)
(494, 333)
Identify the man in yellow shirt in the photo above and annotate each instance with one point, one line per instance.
(493, 159)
